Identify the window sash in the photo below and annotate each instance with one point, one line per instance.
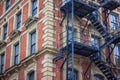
(95, 42)
(114, 21)
(117, 54)
(7, 4)
(70, 35)
(2, 63)
(34, 7)
(32, 75)
(33, 42)
(5, 32)
(16, 54)
(18, 21)
(70, 75)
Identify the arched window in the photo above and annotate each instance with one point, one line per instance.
(98, 77)
(31, 75)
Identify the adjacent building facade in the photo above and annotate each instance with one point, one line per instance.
(31, 36)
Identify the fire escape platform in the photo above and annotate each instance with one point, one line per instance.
(81, 9)
(111, 4)
(82, 49)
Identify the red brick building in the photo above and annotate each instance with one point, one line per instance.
(30, 37)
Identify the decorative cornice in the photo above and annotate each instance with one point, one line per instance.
(30, 20)
(14, 34)
(2, 43)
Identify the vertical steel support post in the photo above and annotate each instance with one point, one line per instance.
(67, 40)
(72, 39)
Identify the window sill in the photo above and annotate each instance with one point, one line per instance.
(14, 34)
(2, 43)
(31, 20)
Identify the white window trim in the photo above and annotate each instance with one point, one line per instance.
(32, 28)
(30, 8)
(15, 20)
(29, 68)
(2, 31)
(15, 41)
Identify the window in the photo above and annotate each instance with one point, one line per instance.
(31, 76)
(114, 21)
(95, 14)
(70, 34)
(117, 54)
(16, 53)
(7, 4)
(95, 41)
(70, 75)
(98, 77)
(32, 42)
(5, 32)
(2, 63)
(18, 23)
(34, 7)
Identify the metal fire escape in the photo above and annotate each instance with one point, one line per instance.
(84, 10)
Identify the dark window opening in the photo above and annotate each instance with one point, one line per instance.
(16, 53)
(18, 24)
(33, 42)
(34, 7)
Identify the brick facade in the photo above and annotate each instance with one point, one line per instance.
(49, 40)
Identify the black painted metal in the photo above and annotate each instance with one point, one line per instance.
(99, 27)
(80, 9)
(106, 70)
(110, 4)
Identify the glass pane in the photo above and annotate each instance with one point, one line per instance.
(95, 42)
(70, 35)
(33, 38)
(34, 7)
(2, 63)
(5, 32)
(31, 76)
(33, 42)
(2, 58)
(16, 54)
(114, 21)
(7, 4)
(18, 20)
(70, 75)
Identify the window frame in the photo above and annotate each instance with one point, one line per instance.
(18, 20)
(5, 31)
(98, 41)
(2, 64)
(75, 72)
(70, 34)
(7, 4)
(34, 7)
(33, 45)
(33, 73)
(117, 54)
(16, 55)
(116, 22)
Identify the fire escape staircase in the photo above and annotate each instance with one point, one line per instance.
(99, 27)
(106, 70)
(82, 10)
(109, 39)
